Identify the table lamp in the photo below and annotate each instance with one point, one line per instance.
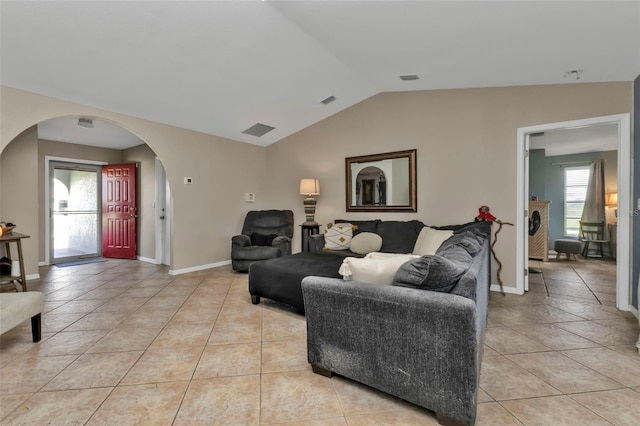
(612, 201)
(309, 187)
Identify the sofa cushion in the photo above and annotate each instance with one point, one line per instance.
(373, 270)
(429, 240)
(254, 253)
(481, 229)
(455, 253)
(399, 236)
(467, 240)
(453, 227)
(338, 236)
(435, 273)
(362, 225)
(258, 239)
(365, 242)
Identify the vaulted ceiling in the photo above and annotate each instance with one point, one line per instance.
(220, 67)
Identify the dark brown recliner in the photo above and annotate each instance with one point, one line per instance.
(266, 234)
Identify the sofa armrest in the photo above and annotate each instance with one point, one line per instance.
(283, 244)
(240, 241)
(316, 242)
(418, 345)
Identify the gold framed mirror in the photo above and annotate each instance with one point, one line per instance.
(382, 182)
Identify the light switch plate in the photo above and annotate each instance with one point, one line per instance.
(250, 197)
(188, 180)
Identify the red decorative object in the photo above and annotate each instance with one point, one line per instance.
(484, 215)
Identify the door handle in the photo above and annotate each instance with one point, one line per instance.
(161, 217)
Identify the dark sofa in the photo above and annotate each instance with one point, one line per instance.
(422, 346)
(279, 279)
(397, 236)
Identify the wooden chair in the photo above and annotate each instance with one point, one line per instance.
(593, 233)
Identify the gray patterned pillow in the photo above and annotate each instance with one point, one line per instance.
(434, 273)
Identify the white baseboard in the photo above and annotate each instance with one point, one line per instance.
(146, 259)
(634, 312)
(43, 263)
(199, 268)
(32, 277)
(509, 290)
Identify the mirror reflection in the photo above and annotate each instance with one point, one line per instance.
(382, 182)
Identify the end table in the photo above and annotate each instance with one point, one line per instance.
(308, 229)
(9, 283)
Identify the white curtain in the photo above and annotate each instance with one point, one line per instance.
(595, 201)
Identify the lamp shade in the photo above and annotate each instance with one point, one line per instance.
(309, 187)
(613, 199)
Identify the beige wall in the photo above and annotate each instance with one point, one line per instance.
(19, 182)
(466, 142)
(146, 190)
(205, 215)
(466, 150)
(68, 151)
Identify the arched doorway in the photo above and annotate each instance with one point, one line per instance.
(371, 187)
(47, 139)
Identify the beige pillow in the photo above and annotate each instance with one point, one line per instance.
(366, 242)
(430, 240)
(338, 236)
(373, 270)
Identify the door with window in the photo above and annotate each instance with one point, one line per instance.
(74, 211)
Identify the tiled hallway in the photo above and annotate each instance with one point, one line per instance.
(125, 343)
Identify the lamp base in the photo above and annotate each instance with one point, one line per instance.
(309, 209)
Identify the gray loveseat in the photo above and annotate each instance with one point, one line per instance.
(419, 345)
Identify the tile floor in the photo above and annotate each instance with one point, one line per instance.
(125, 343)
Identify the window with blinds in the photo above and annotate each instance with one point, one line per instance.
(576, 180)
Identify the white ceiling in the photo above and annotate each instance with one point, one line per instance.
(596, 138)
(103, 134)
(219, 67)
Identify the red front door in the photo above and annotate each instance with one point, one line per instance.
(119, 211)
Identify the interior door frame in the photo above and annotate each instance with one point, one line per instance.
(524, 161)
(47, 198)
(162, 226)
(623, 260)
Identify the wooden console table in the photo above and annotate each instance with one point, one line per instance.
(8, 282)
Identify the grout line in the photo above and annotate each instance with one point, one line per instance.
(587, 285)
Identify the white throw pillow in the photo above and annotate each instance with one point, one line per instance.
(373, 270)
(430, 240)
(338, 237)
(366, 242)
(383, 255)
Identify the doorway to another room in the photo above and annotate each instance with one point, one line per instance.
(74, 208)
(617, 264)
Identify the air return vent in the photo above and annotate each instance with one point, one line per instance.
(409, 77)
(328, 100)
(258, 130)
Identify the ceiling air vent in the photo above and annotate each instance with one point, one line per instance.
(409, 77)
(328, 100)
(258, 130)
